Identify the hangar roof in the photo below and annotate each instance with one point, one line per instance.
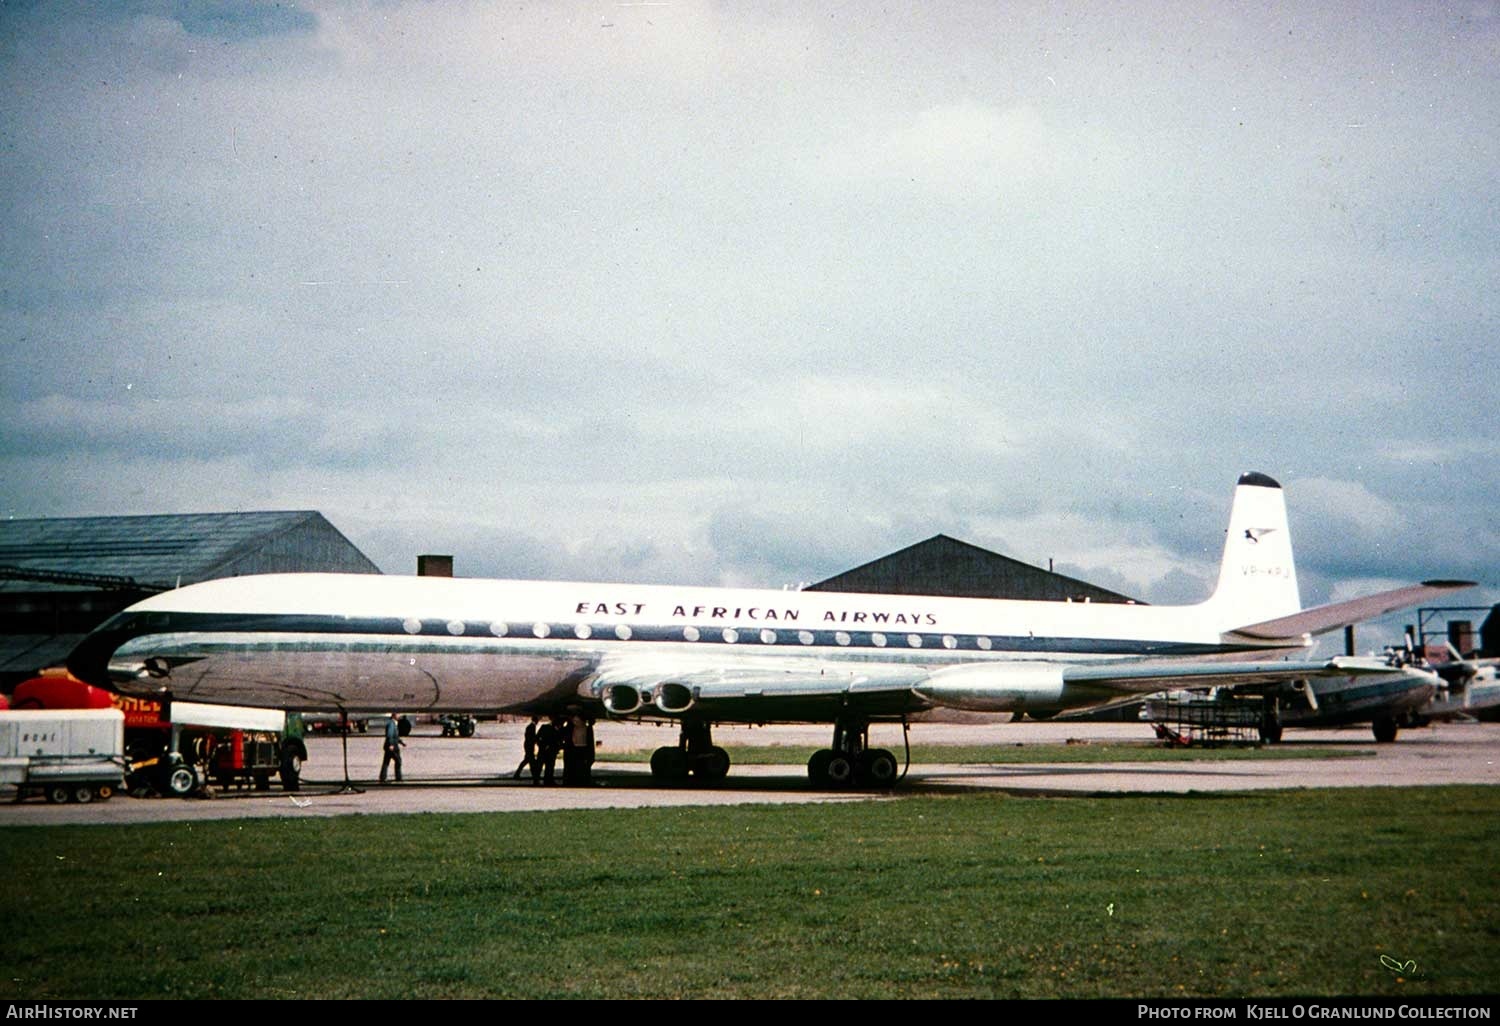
(946, 566)
(164, 550)
(62, 576)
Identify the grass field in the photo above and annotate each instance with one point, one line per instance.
(1296, 893)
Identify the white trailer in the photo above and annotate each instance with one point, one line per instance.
(64, 754)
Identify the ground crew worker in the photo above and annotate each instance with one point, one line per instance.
(529, 744)
(580, 751)
(548, 741)
(393, 746)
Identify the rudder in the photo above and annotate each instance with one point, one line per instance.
(1257, 577)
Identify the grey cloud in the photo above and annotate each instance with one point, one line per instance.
(240, 19)
(481, 549)
(784, 547)
(263, 433)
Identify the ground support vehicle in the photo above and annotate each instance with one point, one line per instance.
(65, 755)
(179, 748)
(457, 724)
(243, 757)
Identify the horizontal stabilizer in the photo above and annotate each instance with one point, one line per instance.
(1321, 619)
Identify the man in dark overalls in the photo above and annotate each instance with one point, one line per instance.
(529, 744)
(548, 741)
(578, 751)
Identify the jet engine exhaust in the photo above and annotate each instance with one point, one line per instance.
(622, 699)
(674, 699)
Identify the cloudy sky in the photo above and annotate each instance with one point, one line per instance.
(752, 293)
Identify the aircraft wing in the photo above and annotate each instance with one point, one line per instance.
(755, 690)
(994, 687)
(1145, 678)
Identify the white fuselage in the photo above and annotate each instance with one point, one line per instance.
(371, 642)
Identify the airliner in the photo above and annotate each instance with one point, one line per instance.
(1387, 701)
(701, 656)
(1473, 689)
(1453, 688)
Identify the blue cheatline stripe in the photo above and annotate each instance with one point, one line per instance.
(1381, 689)
(125, 626)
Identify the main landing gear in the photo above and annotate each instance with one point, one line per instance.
(851, 762)
(695, 754)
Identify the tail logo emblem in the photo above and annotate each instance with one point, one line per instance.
(1255, 534)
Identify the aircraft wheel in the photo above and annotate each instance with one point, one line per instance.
(83, 794)
(403, 726)
(57, 794)
(669, 764)
(1384, 729)
(466, 728)
(712, 766)
(877, 768)
(1270, 732)
(817, 767)
(840, 771)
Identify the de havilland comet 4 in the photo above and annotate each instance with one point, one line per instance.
(700, 656)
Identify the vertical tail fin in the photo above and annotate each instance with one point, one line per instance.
(1257, 578)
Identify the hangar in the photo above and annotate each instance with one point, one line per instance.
(60, 577)
(946, 566)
